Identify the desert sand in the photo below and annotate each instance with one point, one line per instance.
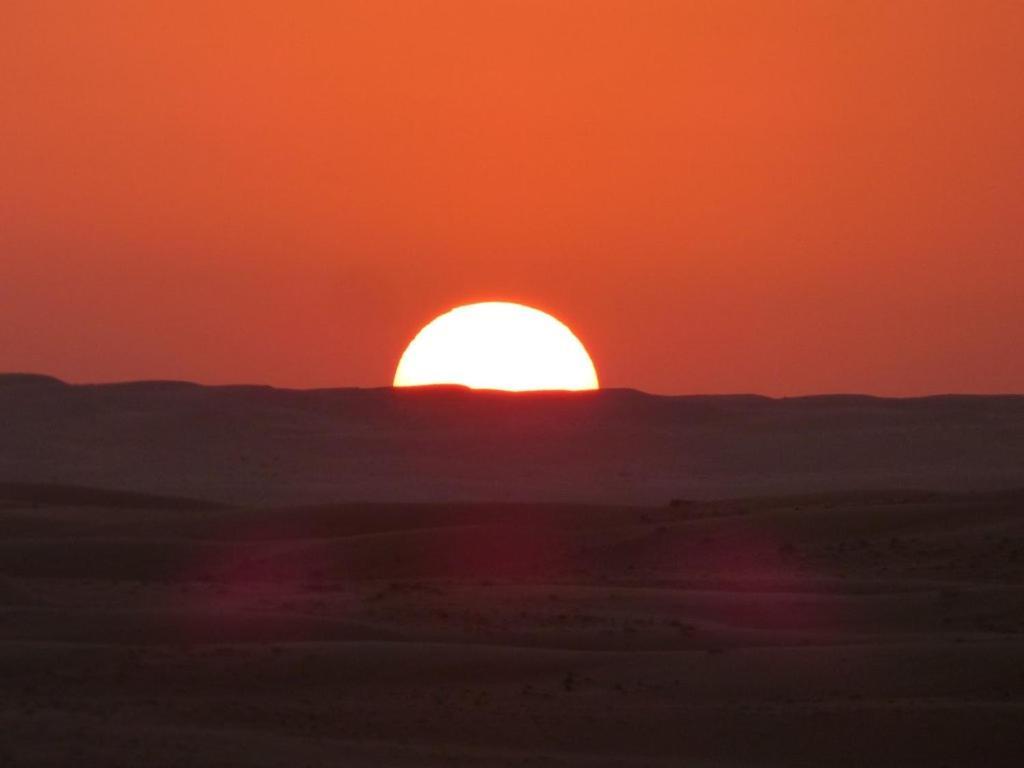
(274, 447)
(245, 576)
(836, 629)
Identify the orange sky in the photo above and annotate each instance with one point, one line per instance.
(785, 197)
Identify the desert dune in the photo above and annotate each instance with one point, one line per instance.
(866, 628)
(265, 446)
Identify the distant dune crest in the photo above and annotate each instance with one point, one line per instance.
(260, 445)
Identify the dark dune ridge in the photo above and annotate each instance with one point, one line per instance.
(259, 445)
(181, 586)
(882, 629)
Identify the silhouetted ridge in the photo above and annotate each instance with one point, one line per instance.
(261, 445)
(29, 380)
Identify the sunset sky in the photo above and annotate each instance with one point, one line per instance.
(775, 197)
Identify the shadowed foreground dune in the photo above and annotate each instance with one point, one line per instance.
(257, 445)
(880, 629)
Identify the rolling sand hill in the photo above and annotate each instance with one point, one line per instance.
(263, 446)
(180, 586)
(857, 629)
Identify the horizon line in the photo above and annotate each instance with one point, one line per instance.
(460, 388)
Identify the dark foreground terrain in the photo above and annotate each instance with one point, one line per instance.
(263, 446)
(869, 629)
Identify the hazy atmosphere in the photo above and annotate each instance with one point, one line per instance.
(783, 198)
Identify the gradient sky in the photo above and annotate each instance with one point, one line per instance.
(775, 197)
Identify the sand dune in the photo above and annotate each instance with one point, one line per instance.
(877, 629)
(258, 445)
(514, 580)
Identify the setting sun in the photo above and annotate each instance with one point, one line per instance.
(497, 345)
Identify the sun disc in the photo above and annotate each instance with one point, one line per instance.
(497, 345)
